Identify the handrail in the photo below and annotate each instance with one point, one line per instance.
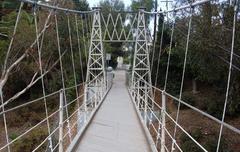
(236, 130)
(52, 114)
(41, 98)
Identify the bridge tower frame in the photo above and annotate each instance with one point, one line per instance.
(96, 71)
(141, 73)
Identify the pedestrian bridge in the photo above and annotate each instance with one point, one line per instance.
(90, 109)
(116, 123)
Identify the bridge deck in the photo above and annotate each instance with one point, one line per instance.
(116, 127)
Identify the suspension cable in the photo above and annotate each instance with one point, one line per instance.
(41, 73)
(84, 40)
(61, 67)
(87, 34)
(73, 67)
(166, 76)
(154, 42)
(229, 73)
(170, 51)
(183, 73)
(4, 70)
(13, 36)
(159, 56)
(79, 47)
(72, 56)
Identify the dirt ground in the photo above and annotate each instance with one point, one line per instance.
(192, 120)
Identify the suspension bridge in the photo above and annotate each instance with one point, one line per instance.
(109, 112)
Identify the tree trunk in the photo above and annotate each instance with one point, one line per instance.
(194, 86)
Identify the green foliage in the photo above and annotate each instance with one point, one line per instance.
(209, 142)
(81, 5)
(9, 4)
(27, 115)
(148, 4)
(207, 60)
(21, 76)
(31, 140)
(23, 39)
(13, 136)
(214, 108)
(189, 98)
(115, 49)
(110, 5)
(3, 47)
(187, 144)
(233, 108)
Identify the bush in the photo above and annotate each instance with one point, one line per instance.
(187, 144)
(189, 98)
(211, 144)
(208, 142)
(233, 108)
(31, 141)
(190, 146)
(13, 136)
(214, 108)
(26, 115)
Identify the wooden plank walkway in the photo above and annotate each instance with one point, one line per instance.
(115, 127)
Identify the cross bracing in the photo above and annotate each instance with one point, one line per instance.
(122, 34)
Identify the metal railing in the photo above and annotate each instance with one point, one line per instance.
(68, 127)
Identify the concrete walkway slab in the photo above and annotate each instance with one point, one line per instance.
(115, 127)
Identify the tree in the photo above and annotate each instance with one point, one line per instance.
(113, 6)
(7, 6)
(81, 5)
(161, 50)
(148, 4)
(208, 55)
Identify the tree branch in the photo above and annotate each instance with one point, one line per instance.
(33, 81)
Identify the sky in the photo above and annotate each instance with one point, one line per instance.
(93, 3)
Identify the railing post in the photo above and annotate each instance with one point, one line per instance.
(61, 122)
(145, 103)
(4, 119)
(133, 91)
(103, 89)
(163, 122)
(50, 144)
(96, 94)
(69, 130)
(129, 81)
(138, 94)
(85, 102)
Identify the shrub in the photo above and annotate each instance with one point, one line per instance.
(31, 141)
(190, 146)
(187, 144)
(214, 108)
(189, 98)
(211, 144)
(25, 115)
(13, 136)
